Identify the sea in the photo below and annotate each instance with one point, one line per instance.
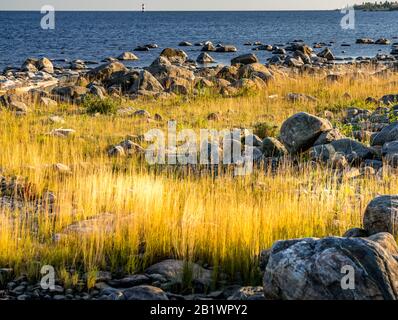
(93, 36)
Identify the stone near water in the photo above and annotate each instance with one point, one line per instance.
(245, 59)
(127, 56)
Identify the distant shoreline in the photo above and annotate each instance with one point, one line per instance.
(203, 11)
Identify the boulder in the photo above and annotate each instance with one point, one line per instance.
(381, 215)
(97, 91)
(106, 71)
(383, 41)
(174, 270)
(294, 62)
(44, 64)
(30, 65)
(127, 56)
(226, 48)
(387, 134)
(141, 48)
(300, 97)
(353, 151)
(229, 73)
(208, 47)
(328, 137)
(327, 54)
(245, 59)
(47, 102)
(130, 281)
(255, 69)
(272, 147)
(205, 58)
(18, 107)
(365, 41)
(165, 73)
(179, 86)
(185, 44)
(356, 233)
(145, 292)
(147, 82)
(318, 269)
(70, 93)
(176, 56)
(299, 132)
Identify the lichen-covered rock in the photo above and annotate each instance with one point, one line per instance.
(314, 269)
(299, 132)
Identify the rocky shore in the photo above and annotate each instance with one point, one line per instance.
(175, 73)
(308, 268)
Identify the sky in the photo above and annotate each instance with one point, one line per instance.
(173, 5)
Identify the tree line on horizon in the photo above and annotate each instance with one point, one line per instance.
(377, 6)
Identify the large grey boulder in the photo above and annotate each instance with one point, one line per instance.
(245, 59)
(318, 269)
(387, 134)
(381, 215)
(299, 132)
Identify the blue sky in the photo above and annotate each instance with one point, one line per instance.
(176, 4)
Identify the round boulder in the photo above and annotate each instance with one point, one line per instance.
(381, 215)
(299, 132)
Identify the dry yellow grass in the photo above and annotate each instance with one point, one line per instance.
(141, 216)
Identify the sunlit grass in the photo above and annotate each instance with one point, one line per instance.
(134, 216)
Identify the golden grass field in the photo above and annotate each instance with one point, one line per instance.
(143, 215)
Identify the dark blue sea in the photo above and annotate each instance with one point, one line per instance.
(96, 35)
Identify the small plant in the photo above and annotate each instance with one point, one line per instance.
(94, 105)
(264, 130)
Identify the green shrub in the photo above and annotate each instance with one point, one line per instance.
(94, 104)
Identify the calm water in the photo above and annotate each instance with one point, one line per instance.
(96, 35)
